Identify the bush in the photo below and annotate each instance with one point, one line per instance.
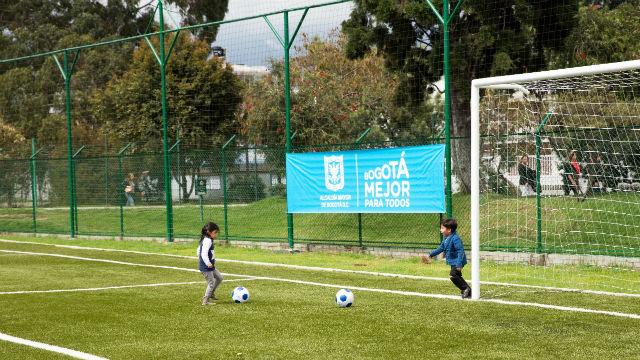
(246, 188)
(279, 190)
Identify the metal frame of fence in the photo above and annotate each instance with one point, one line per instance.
(70, 58)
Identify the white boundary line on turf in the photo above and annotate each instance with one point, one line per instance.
(111, 261)
(53, 348)
(387, 291)
(315, 268)
(110, 287)
(452, 297)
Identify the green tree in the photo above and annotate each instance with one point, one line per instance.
(12, 143)
(488, 37)
(603, 34)
(14, 174)
(31, 91)
(202, 11)
(333, 100)
(203, 96)
(35, 26)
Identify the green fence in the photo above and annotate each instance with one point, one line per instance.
(151, 104)
(242, 188)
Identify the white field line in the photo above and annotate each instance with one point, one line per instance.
(53, 348)
(109, 287)
(387, 291)
(452, 297)
(315, 268)
(109, 261)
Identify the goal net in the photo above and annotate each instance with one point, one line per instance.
(556, 181)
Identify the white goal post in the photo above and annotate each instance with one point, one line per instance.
(521, 83)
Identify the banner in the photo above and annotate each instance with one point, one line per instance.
(398, 180)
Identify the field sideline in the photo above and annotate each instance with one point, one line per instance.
(151, 309)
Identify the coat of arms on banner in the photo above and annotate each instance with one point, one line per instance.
(334, 172)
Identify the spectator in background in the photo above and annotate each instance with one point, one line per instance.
(527, 177)
(628, 178)
(129, 188)
(572, 174)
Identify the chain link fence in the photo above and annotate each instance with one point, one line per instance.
(154, 129)
(243, 188)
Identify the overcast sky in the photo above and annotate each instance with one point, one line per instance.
(252, 42)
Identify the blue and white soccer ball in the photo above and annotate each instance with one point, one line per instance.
(344, 298)
(240, 295)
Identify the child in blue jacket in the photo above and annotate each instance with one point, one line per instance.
(454, 254)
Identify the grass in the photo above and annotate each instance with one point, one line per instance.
(265, 219)
(286, 320)
(604, 225)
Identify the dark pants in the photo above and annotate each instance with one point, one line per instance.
(569, 187)
(457, 280)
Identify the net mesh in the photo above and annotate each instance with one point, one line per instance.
(354, 67)
(560, 181)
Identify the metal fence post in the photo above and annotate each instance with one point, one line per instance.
(177, 147)
(165, 141)
(66, 70)
(34, 192)
(357, 146)
(539, 248)
(121, 177)
(75, 188)
(224, 186)
(444, 19)
(106, 170)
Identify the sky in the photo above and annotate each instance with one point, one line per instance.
(253, 43)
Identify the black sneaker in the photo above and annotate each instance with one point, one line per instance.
(466, 294)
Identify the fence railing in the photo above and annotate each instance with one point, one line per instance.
(241, 188)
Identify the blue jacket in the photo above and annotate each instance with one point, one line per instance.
(453, 250)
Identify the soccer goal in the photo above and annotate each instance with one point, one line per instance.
(555, 197)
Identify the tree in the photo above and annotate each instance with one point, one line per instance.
(603, 34)
(12, 143)
(489, 37)
(203, 96)
(36, 25)
(334, 99)
(196, 12)
(14, 174)
(32, 91)
(32, 98)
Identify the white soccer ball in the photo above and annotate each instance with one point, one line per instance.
(344, 298)
(240, 295)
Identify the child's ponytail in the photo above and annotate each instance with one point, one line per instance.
(207, 228)
(203, 234)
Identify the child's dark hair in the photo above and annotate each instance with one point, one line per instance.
(209, 227)
(450, 224)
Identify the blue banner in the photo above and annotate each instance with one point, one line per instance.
(398, 180)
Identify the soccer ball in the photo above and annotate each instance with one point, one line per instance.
(240, 295)
(344, 298)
